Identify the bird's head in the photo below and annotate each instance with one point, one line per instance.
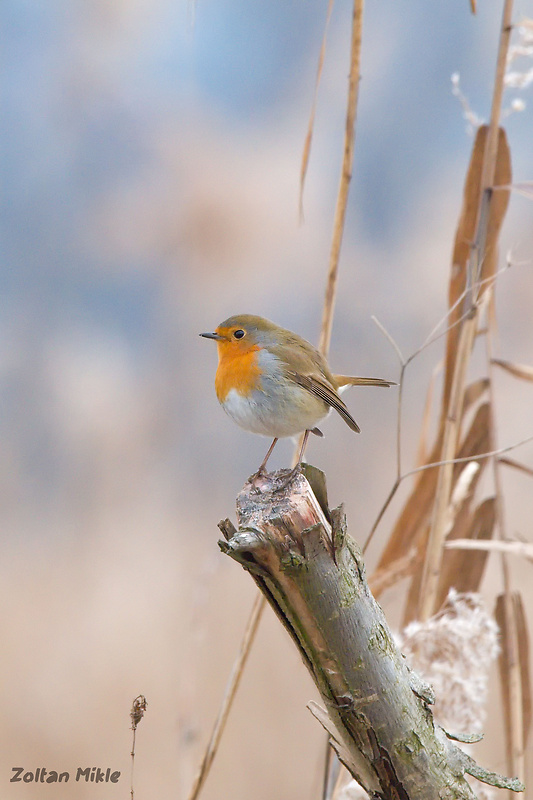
(243, 332)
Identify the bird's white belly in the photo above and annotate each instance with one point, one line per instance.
(277, 415)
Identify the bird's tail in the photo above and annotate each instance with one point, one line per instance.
(346, 380)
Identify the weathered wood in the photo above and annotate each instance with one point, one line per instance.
(377, 710)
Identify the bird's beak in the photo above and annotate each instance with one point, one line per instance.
(216, 336)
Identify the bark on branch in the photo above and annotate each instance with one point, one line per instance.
(377, 710)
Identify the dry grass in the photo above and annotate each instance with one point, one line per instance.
(325, 337)
(444, 534)
(439, 510)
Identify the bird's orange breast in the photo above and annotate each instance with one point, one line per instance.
(237, 369)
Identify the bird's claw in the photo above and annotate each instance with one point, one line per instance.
(288, 479)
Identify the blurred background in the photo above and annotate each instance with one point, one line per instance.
(151, 155)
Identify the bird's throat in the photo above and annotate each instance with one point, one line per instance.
(237, 369)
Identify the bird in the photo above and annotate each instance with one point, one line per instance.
(273, 382)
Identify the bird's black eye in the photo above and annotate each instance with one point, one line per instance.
(238, 334)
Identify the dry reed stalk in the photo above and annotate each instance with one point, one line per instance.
(525, 672)
(136, 714)
(515, 684)
(483, 213)
(513, 548)
(486, 219)
(494, 152)
(344, 186)
(514, 690)
(403, 567)
(489, 167)
(229, 695)
(476, 441)
(346, 176)
(514, 676)
(465, 574)
(514, 664)
(473, 393)
(513, 680)
(311, 124)
(433, 560)
(325, 337)
(422, 452)
(465, 236)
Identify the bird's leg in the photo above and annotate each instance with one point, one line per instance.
(261, 471)
(296, 469)
(302, 451)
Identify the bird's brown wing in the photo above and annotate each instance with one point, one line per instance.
(309, 369)
(320, 388)
(347, 380)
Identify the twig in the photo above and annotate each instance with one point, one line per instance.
(235, 677)
(432, 465)
(404, 363)
(462, 460)
(486, 283)
(391, 339)
(399, 405)
(509, 462)
(381, 513)
(433, 336)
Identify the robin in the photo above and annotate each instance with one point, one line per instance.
(272, 382)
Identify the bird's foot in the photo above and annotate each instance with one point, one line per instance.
(286, 480)
(257, 478)
(263, 481)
